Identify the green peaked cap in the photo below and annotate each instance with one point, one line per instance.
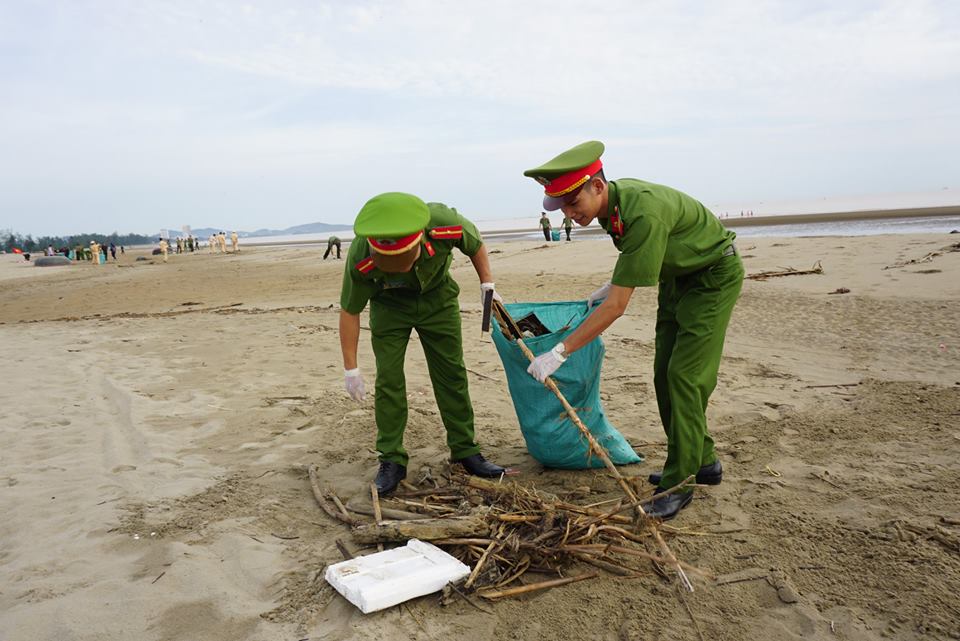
(572, 159)
(392, 215)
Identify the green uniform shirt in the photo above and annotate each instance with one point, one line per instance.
(428, 272)
(665, 233)
(567, 222)
(545, 222)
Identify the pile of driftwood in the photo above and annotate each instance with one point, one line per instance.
(955, 247)
(504, 529)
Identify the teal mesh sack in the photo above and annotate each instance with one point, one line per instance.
(551, 437)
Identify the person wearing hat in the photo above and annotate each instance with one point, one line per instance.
(399, 262)
(665, 238)
(567, 225)
(95, 252)
(545, 226)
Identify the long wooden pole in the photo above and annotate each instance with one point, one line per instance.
(503, 316)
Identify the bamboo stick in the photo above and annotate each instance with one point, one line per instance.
(533, 587)
(377, 516)
(476, 569)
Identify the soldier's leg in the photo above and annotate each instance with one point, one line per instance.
(666, 336)
(704, 306)
(327, 253)
(338, 251)
(439, 329)
(390, 330)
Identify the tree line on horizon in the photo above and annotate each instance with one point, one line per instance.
(10, 240)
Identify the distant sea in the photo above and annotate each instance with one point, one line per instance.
(931, 225)
(528, 228)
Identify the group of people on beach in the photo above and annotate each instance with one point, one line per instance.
(399, 264)
(217, 243)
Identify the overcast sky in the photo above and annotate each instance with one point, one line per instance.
(133, 116)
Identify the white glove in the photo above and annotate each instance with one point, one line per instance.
(547, 363)
(483, 292)
(354, 383)
(600, 294)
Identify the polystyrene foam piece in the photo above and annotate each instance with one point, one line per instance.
(380, 580)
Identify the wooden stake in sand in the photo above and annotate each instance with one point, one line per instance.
(377, 516)
(506, 321)
(532, 587)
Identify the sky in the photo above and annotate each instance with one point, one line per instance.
(137, 116)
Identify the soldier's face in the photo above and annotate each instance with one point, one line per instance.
(586, 204)
(397, 264)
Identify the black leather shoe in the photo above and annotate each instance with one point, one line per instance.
(389, 476)
(666, 507)
(479, 466)
(707, 475)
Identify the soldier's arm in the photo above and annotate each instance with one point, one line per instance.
(602, 317)
(481, 262)
(349, 338)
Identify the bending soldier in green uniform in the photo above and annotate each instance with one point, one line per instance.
(399, 261)
(332, 242)
(665, 238)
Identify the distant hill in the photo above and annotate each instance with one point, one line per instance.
(309, 228)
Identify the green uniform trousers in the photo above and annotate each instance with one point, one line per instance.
(436, 317)
(692, 318)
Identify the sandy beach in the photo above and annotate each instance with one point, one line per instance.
(158, 420)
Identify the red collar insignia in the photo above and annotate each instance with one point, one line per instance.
(616, 223)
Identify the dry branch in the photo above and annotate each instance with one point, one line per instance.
(423, 529)
(532, 587)
(787, 271)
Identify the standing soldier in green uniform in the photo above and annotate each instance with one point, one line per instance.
(665, 238)
(545, 226)
(567, 225)
(399, 261)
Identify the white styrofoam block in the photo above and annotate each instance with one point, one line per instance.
(377, 581)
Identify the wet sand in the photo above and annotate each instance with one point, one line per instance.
(158, 421)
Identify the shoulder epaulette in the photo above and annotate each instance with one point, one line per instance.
(453, 232)
(365, 265)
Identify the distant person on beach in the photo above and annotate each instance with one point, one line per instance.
(113, 250)
(545, 225)
(235, 241)
(332, 242)
(222, 240)
(164, 247)
(95, 252)
(668, 239)
(211, 242)
(567, 225)
(399, 262)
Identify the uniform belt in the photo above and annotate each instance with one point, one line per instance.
(729, 251)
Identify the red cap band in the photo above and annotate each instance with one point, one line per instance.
(568, 182)
(394, 246)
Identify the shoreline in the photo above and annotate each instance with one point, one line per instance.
(751, 221)
(843, 216)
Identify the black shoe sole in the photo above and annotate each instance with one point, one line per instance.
(713, 479)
